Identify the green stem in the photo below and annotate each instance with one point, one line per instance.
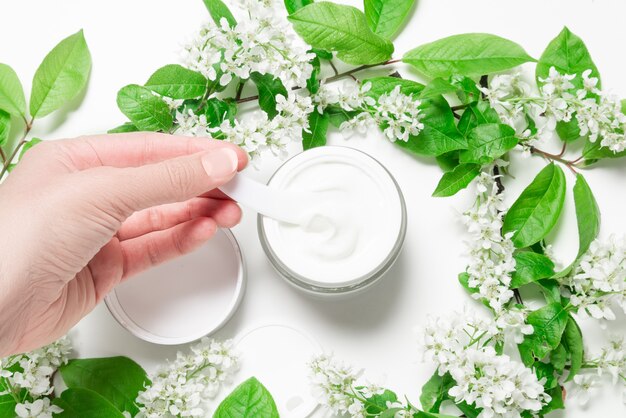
(18, 147)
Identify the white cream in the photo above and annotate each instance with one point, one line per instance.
(354, 223)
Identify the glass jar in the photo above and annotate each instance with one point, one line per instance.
(368, 226)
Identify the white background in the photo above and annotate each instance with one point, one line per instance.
(130, 39)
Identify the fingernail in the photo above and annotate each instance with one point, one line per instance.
(220, 164)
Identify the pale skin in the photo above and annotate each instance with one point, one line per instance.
(79, 216)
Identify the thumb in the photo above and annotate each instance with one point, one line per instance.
(174, 180)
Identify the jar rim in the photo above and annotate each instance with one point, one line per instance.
(357, 283)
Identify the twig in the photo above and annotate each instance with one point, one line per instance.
(556, 157)
(2, 154)
(357, 69)
(332, 65)
(348, 73)
(240, 89)
(18, 147)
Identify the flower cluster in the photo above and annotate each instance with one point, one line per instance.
(186, 386)
(335, 385)
(39, 408)
(597, 114)
(491, 259)
(32, 373)
(398, 114)
(611, 362)
(463, 346)
(257, 132)
(599, 280)
(262, 41)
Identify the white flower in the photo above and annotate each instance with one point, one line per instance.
(398, 114)
(333, 385)
(598, 114)
(262, 41)
(35, 369)
(491, 261)
(513, 324)
(583, 387)
(39, 408)
(462, 345)
(185, 386)
(599, 281)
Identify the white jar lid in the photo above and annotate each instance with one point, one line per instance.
(184, 299)
(277, 355)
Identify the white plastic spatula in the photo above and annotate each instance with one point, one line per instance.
(277, 204)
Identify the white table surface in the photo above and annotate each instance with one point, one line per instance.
(375, 330)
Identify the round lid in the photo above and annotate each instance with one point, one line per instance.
(277, 355)
(184, 299)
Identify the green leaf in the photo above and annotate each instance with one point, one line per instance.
(85, 403)
(293, 5)
(536, 211)
(469, 411)
(385, 17)
(437, 87)
(548, 324)
(61, 76)
(488, 142)
(470, 54)
(12, 98)
(382, 85)
(530, 267)
(268, 87)
(217, 111)
(313, 83)
(177, 82)
(456, 180)
(249, 400)
(573, 343)
(556, 400)
(550, 289)
(117, 379)
(146, 111)
(218, 10)
(568, 54)
(337, 115)
(440, 134)
(587, 214)
(467, 91)
(318, 126)
(546, 370)
(5, 127)
(7, 406)
(595, 151)
(559, 357)
(123, 128)
(448, 161)
(435, 391)
(340, 28)
(378, 403)
(475, 114)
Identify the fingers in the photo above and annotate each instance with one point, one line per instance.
(152, 249)
(138, 148)
(123, 191)
(225, 213)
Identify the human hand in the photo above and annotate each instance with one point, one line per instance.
(79, 216)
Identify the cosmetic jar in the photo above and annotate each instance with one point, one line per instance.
(355, 228)
(184, 299)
